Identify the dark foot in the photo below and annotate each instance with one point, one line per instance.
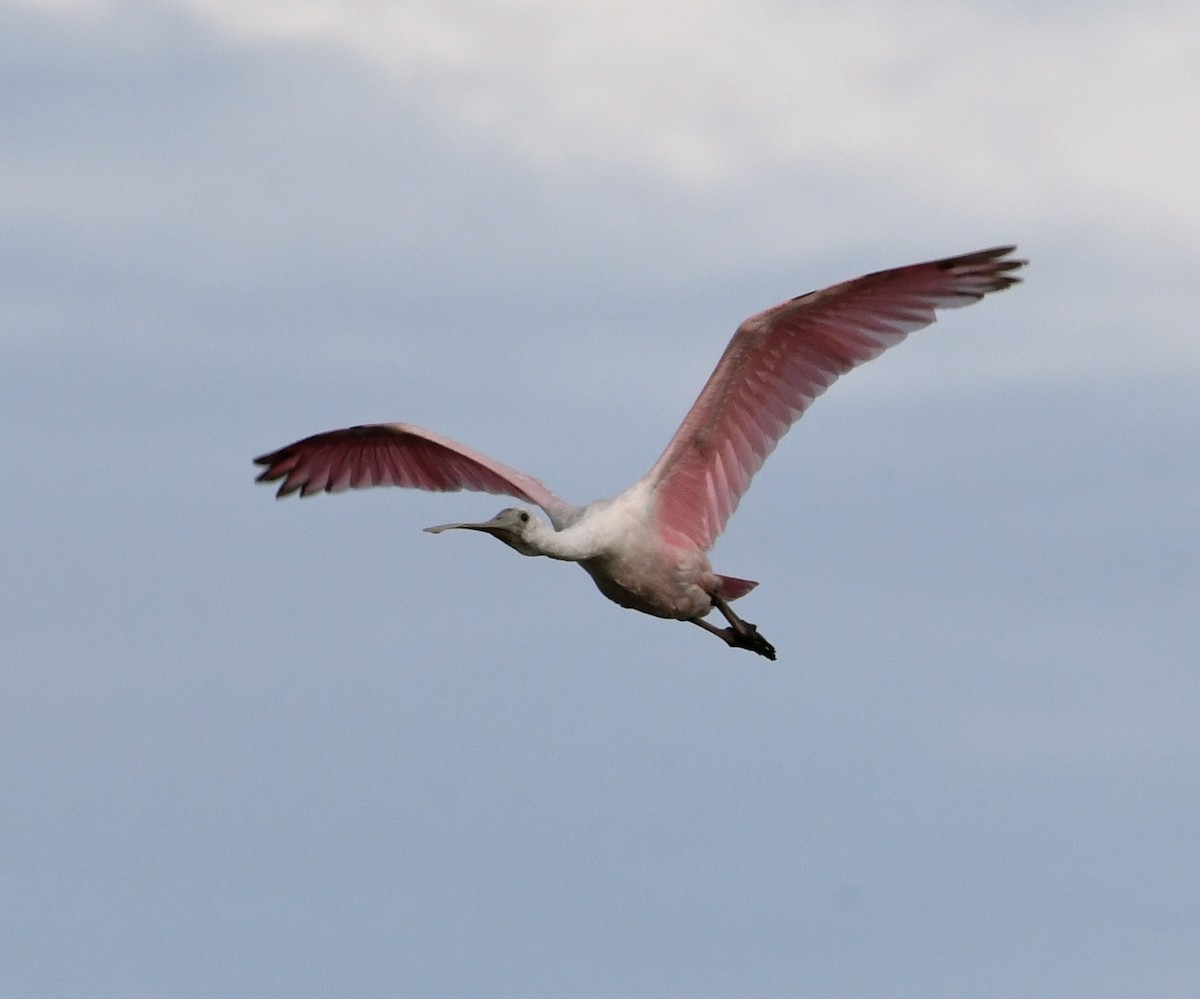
(751, 640)
(743, 636)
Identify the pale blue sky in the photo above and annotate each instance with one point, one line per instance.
(303, 749)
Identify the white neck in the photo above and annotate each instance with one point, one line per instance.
(571, 544)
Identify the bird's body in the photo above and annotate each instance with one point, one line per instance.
(647, 547)
(635, 566)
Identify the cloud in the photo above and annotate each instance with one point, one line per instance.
(593, 160)
(1040, 111)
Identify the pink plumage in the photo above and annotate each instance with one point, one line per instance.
(780, 360)
(395, 454)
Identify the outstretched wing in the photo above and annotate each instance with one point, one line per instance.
(780, 360)
(396, 454)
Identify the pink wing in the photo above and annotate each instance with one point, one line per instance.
(780, 360)
(396, 454)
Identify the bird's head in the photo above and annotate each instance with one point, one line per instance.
(514, 525)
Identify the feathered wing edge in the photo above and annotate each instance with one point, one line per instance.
(780, 360)
(398, 454)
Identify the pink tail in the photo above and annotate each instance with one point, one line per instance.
(732, 587)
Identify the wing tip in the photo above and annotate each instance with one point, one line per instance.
(272, 473)
(978, 257)
(987, 271)
(992, 259)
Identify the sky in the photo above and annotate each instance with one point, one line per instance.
(302, 749)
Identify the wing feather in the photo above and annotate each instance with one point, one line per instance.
(398, 454)
(782, 359)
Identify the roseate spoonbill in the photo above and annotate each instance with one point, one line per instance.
(647, 548)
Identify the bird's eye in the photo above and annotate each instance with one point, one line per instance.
(524, 517)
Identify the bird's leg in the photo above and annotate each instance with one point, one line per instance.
(740, 634)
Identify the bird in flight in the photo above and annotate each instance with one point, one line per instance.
(647, 547)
